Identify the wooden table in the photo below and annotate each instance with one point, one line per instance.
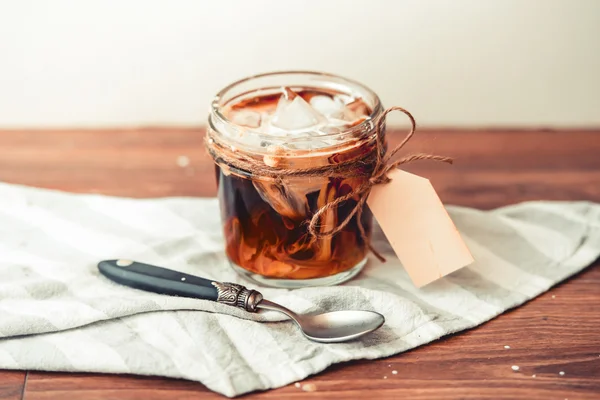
(558, 331)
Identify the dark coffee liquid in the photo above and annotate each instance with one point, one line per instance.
(265, 222)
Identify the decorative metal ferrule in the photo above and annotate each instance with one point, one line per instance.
(236, 295)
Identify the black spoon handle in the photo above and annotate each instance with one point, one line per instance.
(167, 281)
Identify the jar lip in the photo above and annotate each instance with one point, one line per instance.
(366, 126)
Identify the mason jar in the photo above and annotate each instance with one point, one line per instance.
(286, 145)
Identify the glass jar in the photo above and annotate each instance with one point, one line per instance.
(265, 218)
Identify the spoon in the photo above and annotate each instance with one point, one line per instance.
(329, 327)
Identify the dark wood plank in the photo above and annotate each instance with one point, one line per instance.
(493, 168)
(12, 384)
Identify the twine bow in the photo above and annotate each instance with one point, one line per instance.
(383, 165)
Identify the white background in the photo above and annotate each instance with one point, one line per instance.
(453, 63)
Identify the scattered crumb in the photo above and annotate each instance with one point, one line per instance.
(385, 377)
(183, 161)
(389, 365)
(507, 347)
(515, 367)
(394, 372)
(561, 373)
(533, 376)
(553, 296)
(297, 384)
(309, 387)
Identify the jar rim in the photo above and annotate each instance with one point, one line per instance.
(359, 130)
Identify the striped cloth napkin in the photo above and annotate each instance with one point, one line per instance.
(57, 313)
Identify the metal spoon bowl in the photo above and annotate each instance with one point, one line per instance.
(333, 326)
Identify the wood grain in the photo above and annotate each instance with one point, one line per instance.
(12, 385)
(555, 332)
(492, 168)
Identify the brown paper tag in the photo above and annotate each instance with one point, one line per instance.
(418, 227)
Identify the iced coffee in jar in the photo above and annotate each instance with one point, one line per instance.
(287, 145)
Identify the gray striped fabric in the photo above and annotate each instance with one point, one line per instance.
(58, 314)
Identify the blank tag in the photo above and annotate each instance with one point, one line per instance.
(418, 227)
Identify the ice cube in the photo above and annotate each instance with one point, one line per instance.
(288, 93)
(267, 127)
(247, 118)
(354, 110)
(295, 113)
(328, 106)
(249, 139)
(313, 143)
